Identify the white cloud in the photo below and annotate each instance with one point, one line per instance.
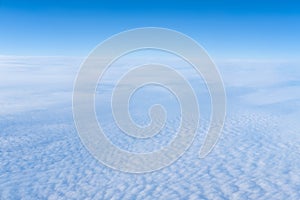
(41, 155)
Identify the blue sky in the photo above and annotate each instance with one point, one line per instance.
(250, 30)
(257, 156)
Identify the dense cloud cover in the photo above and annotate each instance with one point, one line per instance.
(41, 155)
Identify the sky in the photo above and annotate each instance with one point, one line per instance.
(247, 30)
(43, 42)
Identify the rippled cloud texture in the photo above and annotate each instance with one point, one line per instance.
(41, 155)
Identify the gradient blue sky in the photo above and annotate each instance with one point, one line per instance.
(255, 30)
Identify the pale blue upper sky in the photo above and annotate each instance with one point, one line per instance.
(256, 30)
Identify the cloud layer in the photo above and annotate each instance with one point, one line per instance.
(41, 155)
